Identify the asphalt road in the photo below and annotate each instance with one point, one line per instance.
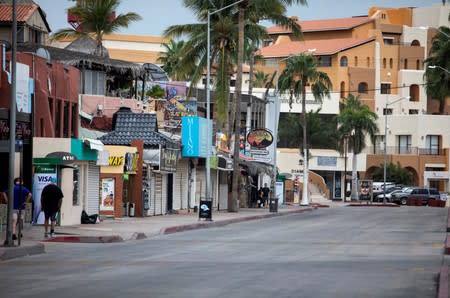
(337, 252)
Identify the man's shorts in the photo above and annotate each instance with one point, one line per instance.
(15, 214)
(50, 214)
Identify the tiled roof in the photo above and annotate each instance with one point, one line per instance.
(324, 25)
(24, 12)
(321, 47)
(128, 126)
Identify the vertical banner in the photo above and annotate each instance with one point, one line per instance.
(43, 175)
(107, 202)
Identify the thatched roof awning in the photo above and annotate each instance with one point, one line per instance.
(79, 60)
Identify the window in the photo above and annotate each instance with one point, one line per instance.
(388, 40)
(405, 66)
(271, 62)
(391, 63)
(414, 92)
(404, 144)
(362, 87)
(413, 112)
(344, 61)
(387, 111)
(324, 61)
(368, 62)
(432, 144)
(76, 180)
(415, 43)
(384, 62)
(385, 88)
(417, 64)
(94, 82)
(342, 89)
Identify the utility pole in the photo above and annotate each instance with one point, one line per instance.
(12, 128)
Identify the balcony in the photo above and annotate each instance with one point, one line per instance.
(398, 150)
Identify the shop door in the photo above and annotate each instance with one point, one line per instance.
(169, 192)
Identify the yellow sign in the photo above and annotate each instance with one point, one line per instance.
(115, 160)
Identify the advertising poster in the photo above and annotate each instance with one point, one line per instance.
(44, 175)
(107, 203)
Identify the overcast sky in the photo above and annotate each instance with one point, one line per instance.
(159, 14)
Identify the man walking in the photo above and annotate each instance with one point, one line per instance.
(265, 191)
(51, 200)
(21, 196)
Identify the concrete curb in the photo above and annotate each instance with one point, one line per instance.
(8, 253)
(443, 282)
(221, 223)
(87, 239)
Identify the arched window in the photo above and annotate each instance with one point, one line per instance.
(384, 62)
(356, 61)
(368, 62)
(414, 92)
(362, 87)
(417, 64)
(391, 63)
(405, 66)
(344, 61)
(342, 89)
(415, 43)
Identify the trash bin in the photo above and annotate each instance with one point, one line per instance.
(125, 209)
(131, 214)
(273, 205)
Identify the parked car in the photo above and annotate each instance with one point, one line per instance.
(389, 193)
(402, 196)
(425, 194)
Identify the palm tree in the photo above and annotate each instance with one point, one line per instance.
(261, 79)
(302, 70)
(438, 80)
(356, 121)
(97, 18)
(171, 60)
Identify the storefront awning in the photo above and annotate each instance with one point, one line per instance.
(94, 144)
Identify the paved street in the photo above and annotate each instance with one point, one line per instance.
(335, 252)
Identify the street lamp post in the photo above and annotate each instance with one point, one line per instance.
(345, 166)
(385, 142)
(208, 96)
(440, 67)
(440, 31)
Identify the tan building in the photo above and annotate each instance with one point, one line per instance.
(380, 58)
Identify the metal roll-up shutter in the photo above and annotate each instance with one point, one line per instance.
(93, 189)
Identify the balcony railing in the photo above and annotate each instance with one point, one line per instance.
(379, 150)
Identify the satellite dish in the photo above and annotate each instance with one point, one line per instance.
(41, 52)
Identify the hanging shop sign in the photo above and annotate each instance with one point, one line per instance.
(260, 138)
(194, 136)
(168, 160)
(130, 163)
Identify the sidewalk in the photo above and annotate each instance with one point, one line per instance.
(136, 228)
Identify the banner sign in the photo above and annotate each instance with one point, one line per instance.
(194, 136)
(43, 175)
(107, 202)
(365, 190)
